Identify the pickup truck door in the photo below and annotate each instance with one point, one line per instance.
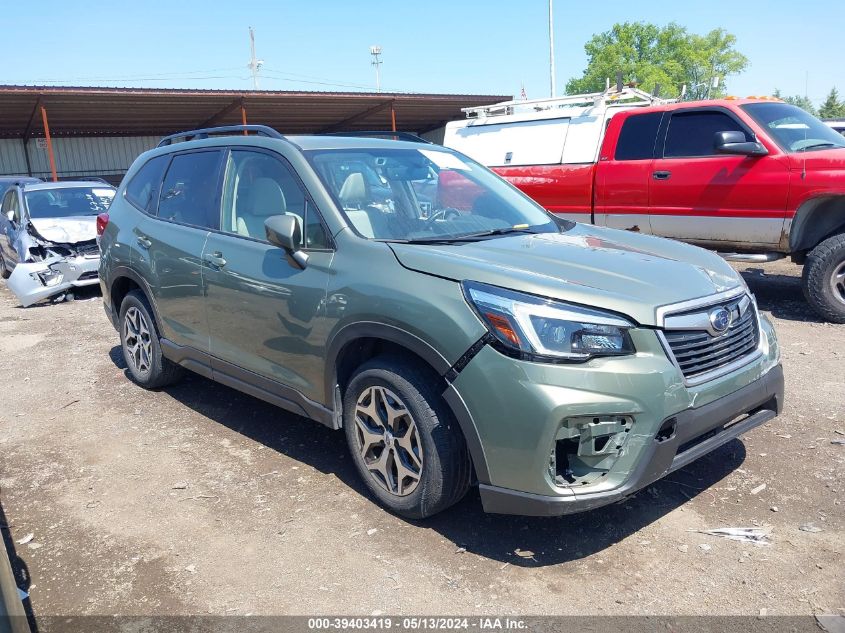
(723, 201)
(624, 170)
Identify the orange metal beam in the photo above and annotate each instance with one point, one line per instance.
(243, 116)
(392, 117)
(49, 143)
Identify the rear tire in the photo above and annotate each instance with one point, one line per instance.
(4, 272)
(141, 348)
(824, 279)
(404, 441)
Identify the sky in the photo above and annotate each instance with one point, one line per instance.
(438, 46)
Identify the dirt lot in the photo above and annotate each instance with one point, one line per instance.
(198, 499)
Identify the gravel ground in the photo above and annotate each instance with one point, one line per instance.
(200, 500)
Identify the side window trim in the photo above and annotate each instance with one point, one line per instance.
(667, 121)
(310, 205)
(221, 152)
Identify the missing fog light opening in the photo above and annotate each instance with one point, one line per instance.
(48, 277)
(586, 448)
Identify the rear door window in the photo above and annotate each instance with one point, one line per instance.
(189, 191)
(142, 190)
(638, 136)
(692, 134)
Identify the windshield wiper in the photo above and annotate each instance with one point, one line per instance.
(818, 145)
(472, 237)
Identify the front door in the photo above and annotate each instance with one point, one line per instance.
(723, 201)
(266, 314)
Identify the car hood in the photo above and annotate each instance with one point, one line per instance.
(625, 272)
(66, 230)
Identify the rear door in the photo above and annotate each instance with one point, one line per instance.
(169, 245)
(624, 170)
(717, 200)
(267, 316)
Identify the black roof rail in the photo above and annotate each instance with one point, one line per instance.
(191, 135)
(386, 134)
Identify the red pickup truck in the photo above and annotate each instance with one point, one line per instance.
(755, 179)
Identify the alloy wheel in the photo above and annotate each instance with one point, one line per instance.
(837, 282)
(137, 341)
(388, 441)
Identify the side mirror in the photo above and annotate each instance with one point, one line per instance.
(284, 231)
(10, 215)
(734, 142)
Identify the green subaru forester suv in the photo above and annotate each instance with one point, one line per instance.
(456, 331)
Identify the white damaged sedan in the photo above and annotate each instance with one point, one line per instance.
(48, 234)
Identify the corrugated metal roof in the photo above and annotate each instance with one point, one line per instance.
(76, 111)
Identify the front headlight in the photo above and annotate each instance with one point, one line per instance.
(545, 329)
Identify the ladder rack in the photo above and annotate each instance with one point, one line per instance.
(628, 96)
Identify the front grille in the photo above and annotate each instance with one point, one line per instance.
(699, 352)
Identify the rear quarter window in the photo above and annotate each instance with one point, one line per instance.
(142, 190)
(638, 137)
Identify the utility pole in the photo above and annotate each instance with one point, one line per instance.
(551, 50)
(375, 51)
(254, 64)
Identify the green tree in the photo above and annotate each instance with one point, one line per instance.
(670, 56)
(832, 108)
(798, 100)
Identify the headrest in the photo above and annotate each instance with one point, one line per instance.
(266, 198)
(354, 190)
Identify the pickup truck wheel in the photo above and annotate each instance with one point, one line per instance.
(405, 444)
(824, 279)
(141, 348)
(4, 272)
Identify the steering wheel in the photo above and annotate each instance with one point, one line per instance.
(446, 213)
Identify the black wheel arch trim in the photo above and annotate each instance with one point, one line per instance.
(129, 273)
(399, 336)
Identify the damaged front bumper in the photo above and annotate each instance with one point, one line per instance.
(565, 438)
(32, 282)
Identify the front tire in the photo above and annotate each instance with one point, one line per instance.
(4, 272)
(141, 348)
(824, 279)
(404, 441)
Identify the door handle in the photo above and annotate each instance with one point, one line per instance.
(143, 242)
(215, 259)
(661, 175)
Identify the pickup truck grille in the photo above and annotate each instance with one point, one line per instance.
(699, 352)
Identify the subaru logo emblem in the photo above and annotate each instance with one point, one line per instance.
(720, 320)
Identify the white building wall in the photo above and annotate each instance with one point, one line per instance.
(102, 156)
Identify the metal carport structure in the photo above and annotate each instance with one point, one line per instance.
(53, 113)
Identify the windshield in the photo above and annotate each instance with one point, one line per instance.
(68, 202)
(794, 129)
(424, 194)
